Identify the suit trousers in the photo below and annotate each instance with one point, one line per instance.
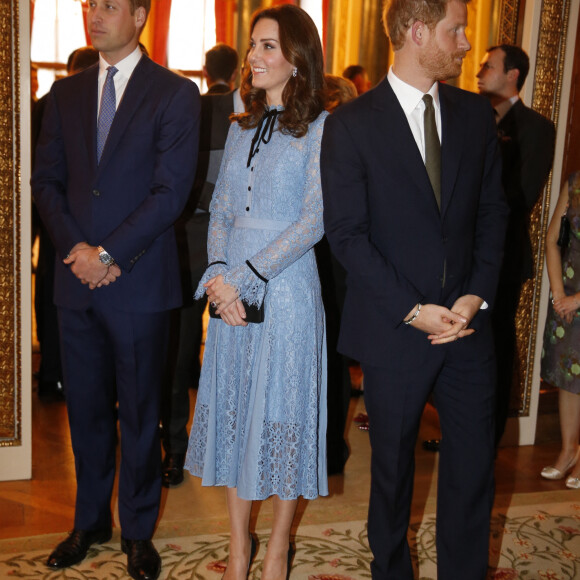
(113, 363)
(186, 333)
(503, 319)
(461, 377)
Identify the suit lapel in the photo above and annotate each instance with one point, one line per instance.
(89, 113)
(452, 144)
(402, 147)
(132, 97)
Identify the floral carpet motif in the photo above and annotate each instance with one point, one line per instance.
(529, 543)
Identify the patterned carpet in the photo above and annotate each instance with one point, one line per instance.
(528, 542)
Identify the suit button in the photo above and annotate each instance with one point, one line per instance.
(96, 192)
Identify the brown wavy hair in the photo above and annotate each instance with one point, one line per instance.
(303, 95)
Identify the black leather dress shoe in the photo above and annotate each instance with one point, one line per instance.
(172, 474)
(143, 561)
(74, 549)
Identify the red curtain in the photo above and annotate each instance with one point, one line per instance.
(325, 4)
(161, 12)
(85, 23)
(224, 21)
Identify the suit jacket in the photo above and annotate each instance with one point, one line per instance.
(216, 109)
(218, 89)
(191, 229)
(383, 223)
(527, 141)
(130, 200)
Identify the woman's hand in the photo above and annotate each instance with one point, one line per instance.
(566, 307)
(234, 314)
(224, 297)
(220, 294)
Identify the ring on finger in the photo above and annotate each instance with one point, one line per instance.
(214, 304)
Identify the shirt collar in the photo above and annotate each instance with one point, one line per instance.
(125, 66)
(503, 107)
(408, 96)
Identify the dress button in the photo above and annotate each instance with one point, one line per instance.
(252, 169)
(247, 209)
(249, 188)
(96, 192)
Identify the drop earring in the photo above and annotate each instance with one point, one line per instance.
(294, 72)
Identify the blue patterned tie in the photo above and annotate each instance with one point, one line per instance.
(107, 111)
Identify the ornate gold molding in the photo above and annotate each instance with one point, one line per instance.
(547, 78)
(509, 19)
(10, 225)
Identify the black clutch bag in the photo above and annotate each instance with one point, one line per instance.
(254, 314)
(564, 235)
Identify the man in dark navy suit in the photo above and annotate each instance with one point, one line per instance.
(115, 164)
(527, 141)
(414, 210)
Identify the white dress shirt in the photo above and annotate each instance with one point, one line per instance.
(125, 69)
(411, 100)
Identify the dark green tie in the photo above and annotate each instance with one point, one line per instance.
(432, 148)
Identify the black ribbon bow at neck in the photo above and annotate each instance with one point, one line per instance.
(263, 132)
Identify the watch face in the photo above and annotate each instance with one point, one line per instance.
(106, 258)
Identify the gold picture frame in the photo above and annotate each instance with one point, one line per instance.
(10, 228)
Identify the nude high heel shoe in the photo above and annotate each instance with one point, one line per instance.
(553, 473)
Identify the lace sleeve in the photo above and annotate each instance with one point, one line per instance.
(221, 220)
(295, 240)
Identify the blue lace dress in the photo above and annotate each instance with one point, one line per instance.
(260, 417)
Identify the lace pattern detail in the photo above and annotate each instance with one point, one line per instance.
(290, 244)
(260, 417)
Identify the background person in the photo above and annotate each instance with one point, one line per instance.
(191, 231)
(526, 142)
(561, 352)
(260, 419)
(333, 282)
(220, 69)
(357, 74)
(50, 378)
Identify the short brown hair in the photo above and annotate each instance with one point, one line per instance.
(134, 4)
(221, 62)
(400, 15)
(303, 95)
(140, 3)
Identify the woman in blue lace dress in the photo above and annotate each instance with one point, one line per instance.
(561, 352)
(260, 419)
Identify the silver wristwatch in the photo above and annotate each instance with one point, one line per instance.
(105, 257)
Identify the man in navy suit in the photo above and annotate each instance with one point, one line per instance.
(526, 141)
(109, 198)
(414, 210)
